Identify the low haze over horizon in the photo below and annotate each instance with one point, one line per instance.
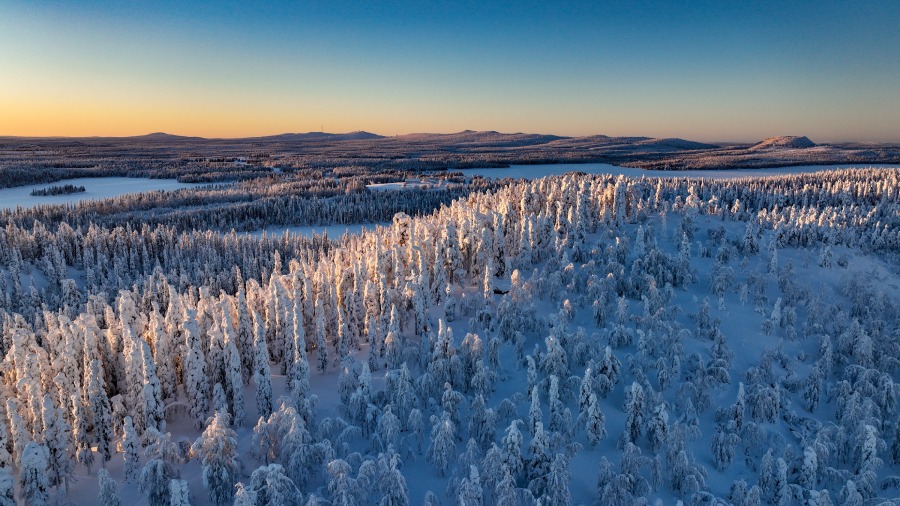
(712, 71)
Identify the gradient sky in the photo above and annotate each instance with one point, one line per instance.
(713, 70)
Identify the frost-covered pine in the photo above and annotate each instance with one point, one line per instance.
(585, 390)
(217, 450)
(539, 464)
(388, 429)
(341, 486)
(813, 389)
(321, 341)
(101, 412)
(608, 372)
(154, 482)
(164, 353)
(262, 376)
(7, 487)
(512, 448)
(867, 451)
(658, 427)
(84, 454)
(196, 382)
(244, 326)
(470, 490)
(723, 444)
(555, 362)
(443, 443)
(595, 422)
(430, 499)
(781, 486)
(767, 474)
(57, 439)
(535, 414)
(34, 486)
(6, 459)
(482, 421)
(244, 496)
(394, 484)
(558, 422)
(505, 490)
(131, 448)
(179, 495)
(809, 469)
(557, 491)
(298, 372)
(849, 495)
(415, 425)
(109, 489)
(634, 410)
(234, 383)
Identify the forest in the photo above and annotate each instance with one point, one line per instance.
(25, 161)
(581, 339)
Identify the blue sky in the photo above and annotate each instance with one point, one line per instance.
(705, 70)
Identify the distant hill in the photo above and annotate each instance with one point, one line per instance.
(488, 138)
(784, 141)
(319, 136)
(163, 137)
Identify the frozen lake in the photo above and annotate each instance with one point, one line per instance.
(96, 188)
(537, 171)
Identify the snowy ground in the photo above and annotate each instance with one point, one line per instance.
(96, 188)
(537, 171)
(409, 184)
(333, 231)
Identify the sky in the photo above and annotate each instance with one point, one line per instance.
(707, 70)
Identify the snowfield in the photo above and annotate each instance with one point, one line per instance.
(585, 339)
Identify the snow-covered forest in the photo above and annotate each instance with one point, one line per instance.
(571, 340)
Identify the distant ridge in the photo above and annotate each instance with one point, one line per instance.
(785, 141)
(319, 136)
(162, 136)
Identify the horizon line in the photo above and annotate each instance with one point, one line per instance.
(382, 136)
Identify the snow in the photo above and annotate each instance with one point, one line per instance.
(541, 170)
(96, 188)
(409, 184)
(333, 231)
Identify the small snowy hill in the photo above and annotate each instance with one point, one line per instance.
(784, 141)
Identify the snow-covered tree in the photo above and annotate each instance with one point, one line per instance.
(154, 482)
(595, 422)
(179, 495)
(393, 484)
(443, 443)
(558, 482)
(34, 485)
(7, 488)
(470, 490)
(262, 376)
(217, 450)
(109, 489)
(130, 446)
(634, 411)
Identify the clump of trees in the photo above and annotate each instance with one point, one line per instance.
(65, 189)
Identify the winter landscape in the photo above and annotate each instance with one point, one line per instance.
(476, 318)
